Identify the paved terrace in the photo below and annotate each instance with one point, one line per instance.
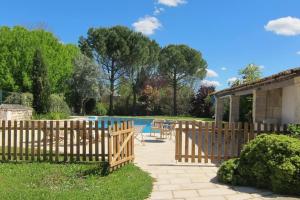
(188, 181)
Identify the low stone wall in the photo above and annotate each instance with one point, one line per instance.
(15, 113)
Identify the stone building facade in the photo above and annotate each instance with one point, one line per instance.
(276, 99)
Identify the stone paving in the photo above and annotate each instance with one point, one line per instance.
(188, 181)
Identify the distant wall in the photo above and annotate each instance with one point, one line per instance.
(15, 114)
(288, 104)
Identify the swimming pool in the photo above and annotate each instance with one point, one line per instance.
(137, 121)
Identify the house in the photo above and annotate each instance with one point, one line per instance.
(276, 99)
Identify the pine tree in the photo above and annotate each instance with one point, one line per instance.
(40, 84)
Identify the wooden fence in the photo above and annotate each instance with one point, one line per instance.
(67, 141)
(205, 142)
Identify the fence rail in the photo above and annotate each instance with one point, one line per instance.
(208, 142)
(67, 141)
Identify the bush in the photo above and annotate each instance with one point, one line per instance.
(58, 105)
(100, 109)
(269, 161)
(51, 116)
(24, 99)
(294, 129)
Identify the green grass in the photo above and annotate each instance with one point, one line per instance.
(170, 117)
(72, 181)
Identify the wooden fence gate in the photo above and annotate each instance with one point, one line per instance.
(204, 142)
(67, 141)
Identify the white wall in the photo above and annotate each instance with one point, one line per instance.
(289, 101)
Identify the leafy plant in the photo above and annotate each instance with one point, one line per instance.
(294, 129)
(58, 105)
(101, 109)
(269, 161)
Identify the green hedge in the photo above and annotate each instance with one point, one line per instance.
(269, 161)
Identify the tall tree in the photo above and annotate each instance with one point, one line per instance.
(248, 74)
(142, 60)
(84, 83)
(40, 84)
(202, 103)
(109, 47)
(180, 64)
(17, 49)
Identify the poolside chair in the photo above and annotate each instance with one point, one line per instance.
(138, 131)
(157, 125)
(169, 128)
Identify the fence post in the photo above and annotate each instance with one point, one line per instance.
(109, 146)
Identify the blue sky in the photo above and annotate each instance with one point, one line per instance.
(229, 33)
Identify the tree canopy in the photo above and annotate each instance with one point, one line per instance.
(180, 64)
(17, 47)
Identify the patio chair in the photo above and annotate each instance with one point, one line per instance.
(157, 125)
(138, 131)
(169, 128)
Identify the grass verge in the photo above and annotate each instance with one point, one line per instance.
(72, 181)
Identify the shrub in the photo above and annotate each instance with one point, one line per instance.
(294, 129)
(24, 99)
(51, 116)
(269, 161)
(58, 105)
(100, 109)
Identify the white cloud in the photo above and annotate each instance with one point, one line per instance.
(147, 25)
(211, 73)
(210, 83)
(298, 52)
(158, 10)
(231, 80)
(171, 3)
(261, 67)
(288, 26)
(224, 68)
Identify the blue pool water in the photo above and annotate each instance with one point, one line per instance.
(137, 121)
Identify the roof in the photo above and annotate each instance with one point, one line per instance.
(284, 75)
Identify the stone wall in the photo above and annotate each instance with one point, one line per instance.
(11, 112)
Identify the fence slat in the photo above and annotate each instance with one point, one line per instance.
(45, 140)
(212, 142)
(21, 140)
(226, 139)
(9, 141)
(15, 139)
(65, 141)
(102, 141)
(180, 142)
(72, 141)
(200, 142)
(206, 142)
(3, 139)
(84, 140)
(26, 140)
(239, 139)
(90, 141)
(220, 141)
(39, 141)
(233, 140)
(193, 141)
(57, 125)
(32, 140)
(51, 142)
(78, 131)
(186, 145)
(97, 140)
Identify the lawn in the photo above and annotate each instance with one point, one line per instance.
(170, 117)
(72, 181)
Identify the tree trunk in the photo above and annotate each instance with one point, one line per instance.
(175, 94)
(134, 102)
(111, 97)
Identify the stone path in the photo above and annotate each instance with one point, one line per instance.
(186, 181)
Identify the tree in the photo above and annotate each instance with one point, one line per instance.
(180, 64)
(202, 103)
(17, 49)
(40, 84)
(248, 74)
(109, 47)
(143, 58)
(84, 83)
